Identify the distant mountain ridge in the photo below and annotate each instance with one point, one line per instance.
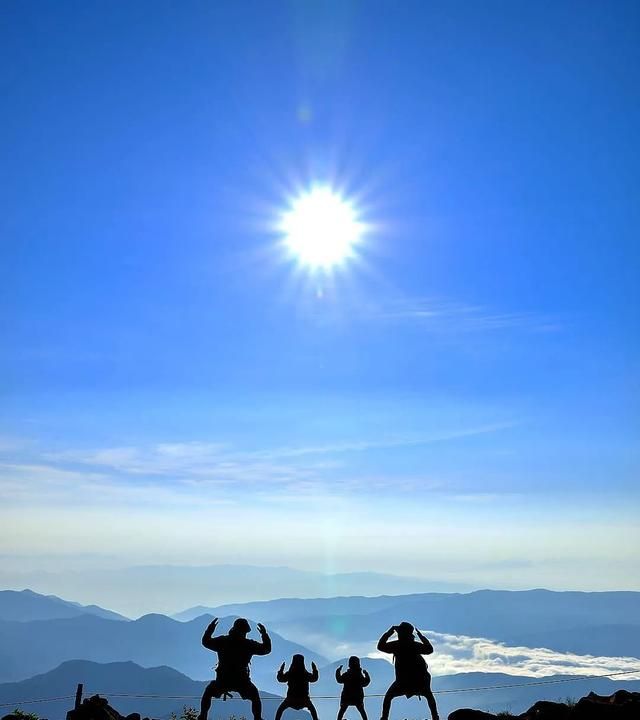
(34, 647)
(110, 679)
(604, 623)
(27, 605)
(142, 589)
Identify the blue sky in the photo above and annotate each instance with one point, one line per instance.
(468, 384)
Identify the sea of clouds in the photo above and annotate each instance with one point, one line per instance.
(463, 654)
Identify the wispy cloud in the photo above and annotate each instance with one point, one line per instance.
(447, 316)
(406, 440)
(204, 461)
(182, 470)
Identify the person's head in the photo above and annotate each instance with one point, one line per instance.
(404, 631)
(240, 627)
(354, 663)
(297, 662)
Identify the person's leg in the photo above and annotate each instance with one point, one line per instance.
(256, 704)
(341, 712)
(362, 711)
(205, 704)
(431, 701)
(393, 692)
(312, 709)
(281, 708)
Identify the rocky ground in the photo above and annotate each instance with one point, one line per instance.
(622, 705)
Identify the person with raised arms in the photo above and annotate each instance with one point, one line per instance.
(235, 651)
(354, 681)
(412, 675)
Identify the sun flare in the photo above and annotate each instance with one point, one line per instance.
(321, 229)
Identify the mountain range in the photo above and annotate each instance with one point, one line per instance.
(602, 623)
(35, 647)
(139, 590)
(174, 690)
(48, 645)
(26, 605)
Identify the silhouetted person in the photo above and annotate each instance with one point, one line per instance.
(235, 651)
(297, 678)
(355, 679)
(412, 676)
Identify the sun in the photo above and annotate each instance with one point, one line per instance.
(321, 229)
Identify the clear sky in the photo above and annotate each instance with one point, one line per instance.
(459, 401)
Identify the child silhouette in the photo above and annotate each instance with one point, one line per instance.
(297, 678)
(355, 679)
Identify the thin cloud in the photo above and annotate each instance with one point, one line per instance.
(391, 442)
(181, 470)
(444, 316)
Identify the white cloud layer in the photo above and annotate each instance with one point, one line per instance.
(460, 653)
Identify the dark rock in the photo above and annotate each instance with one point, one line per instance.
(94, 708)
(133, 716)
(545, 710)
(622, 705)
(468, 714)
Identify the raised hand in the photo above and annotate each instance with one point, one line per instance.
(262, 629)
(213, 624)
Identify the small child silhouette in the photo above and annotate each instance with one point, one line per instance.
(355, 679)
(297, 678)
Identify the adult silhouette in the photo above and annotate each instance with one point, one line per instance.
(355, 680)
(412, 676)
(297, 678)
(235, 651)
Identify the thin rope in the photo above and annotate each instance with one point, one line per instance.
(14, 703)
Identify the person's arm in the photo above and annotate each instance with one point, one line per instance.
(366, 678)
(263, 647)
(208, 640)
(427, 647)
(339, 677)
(314, 674)
(282, 675)
(383, 644)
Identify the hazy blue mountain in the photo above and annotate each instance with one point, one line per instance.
(166, 588)
(127, 677)
(26, 605)
(123, 677)
(556, 620)
(293, 608)
(612, 640)
(515, 699)
(27, 648)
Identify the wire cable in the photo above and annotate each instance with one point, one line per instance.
(15, 703)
